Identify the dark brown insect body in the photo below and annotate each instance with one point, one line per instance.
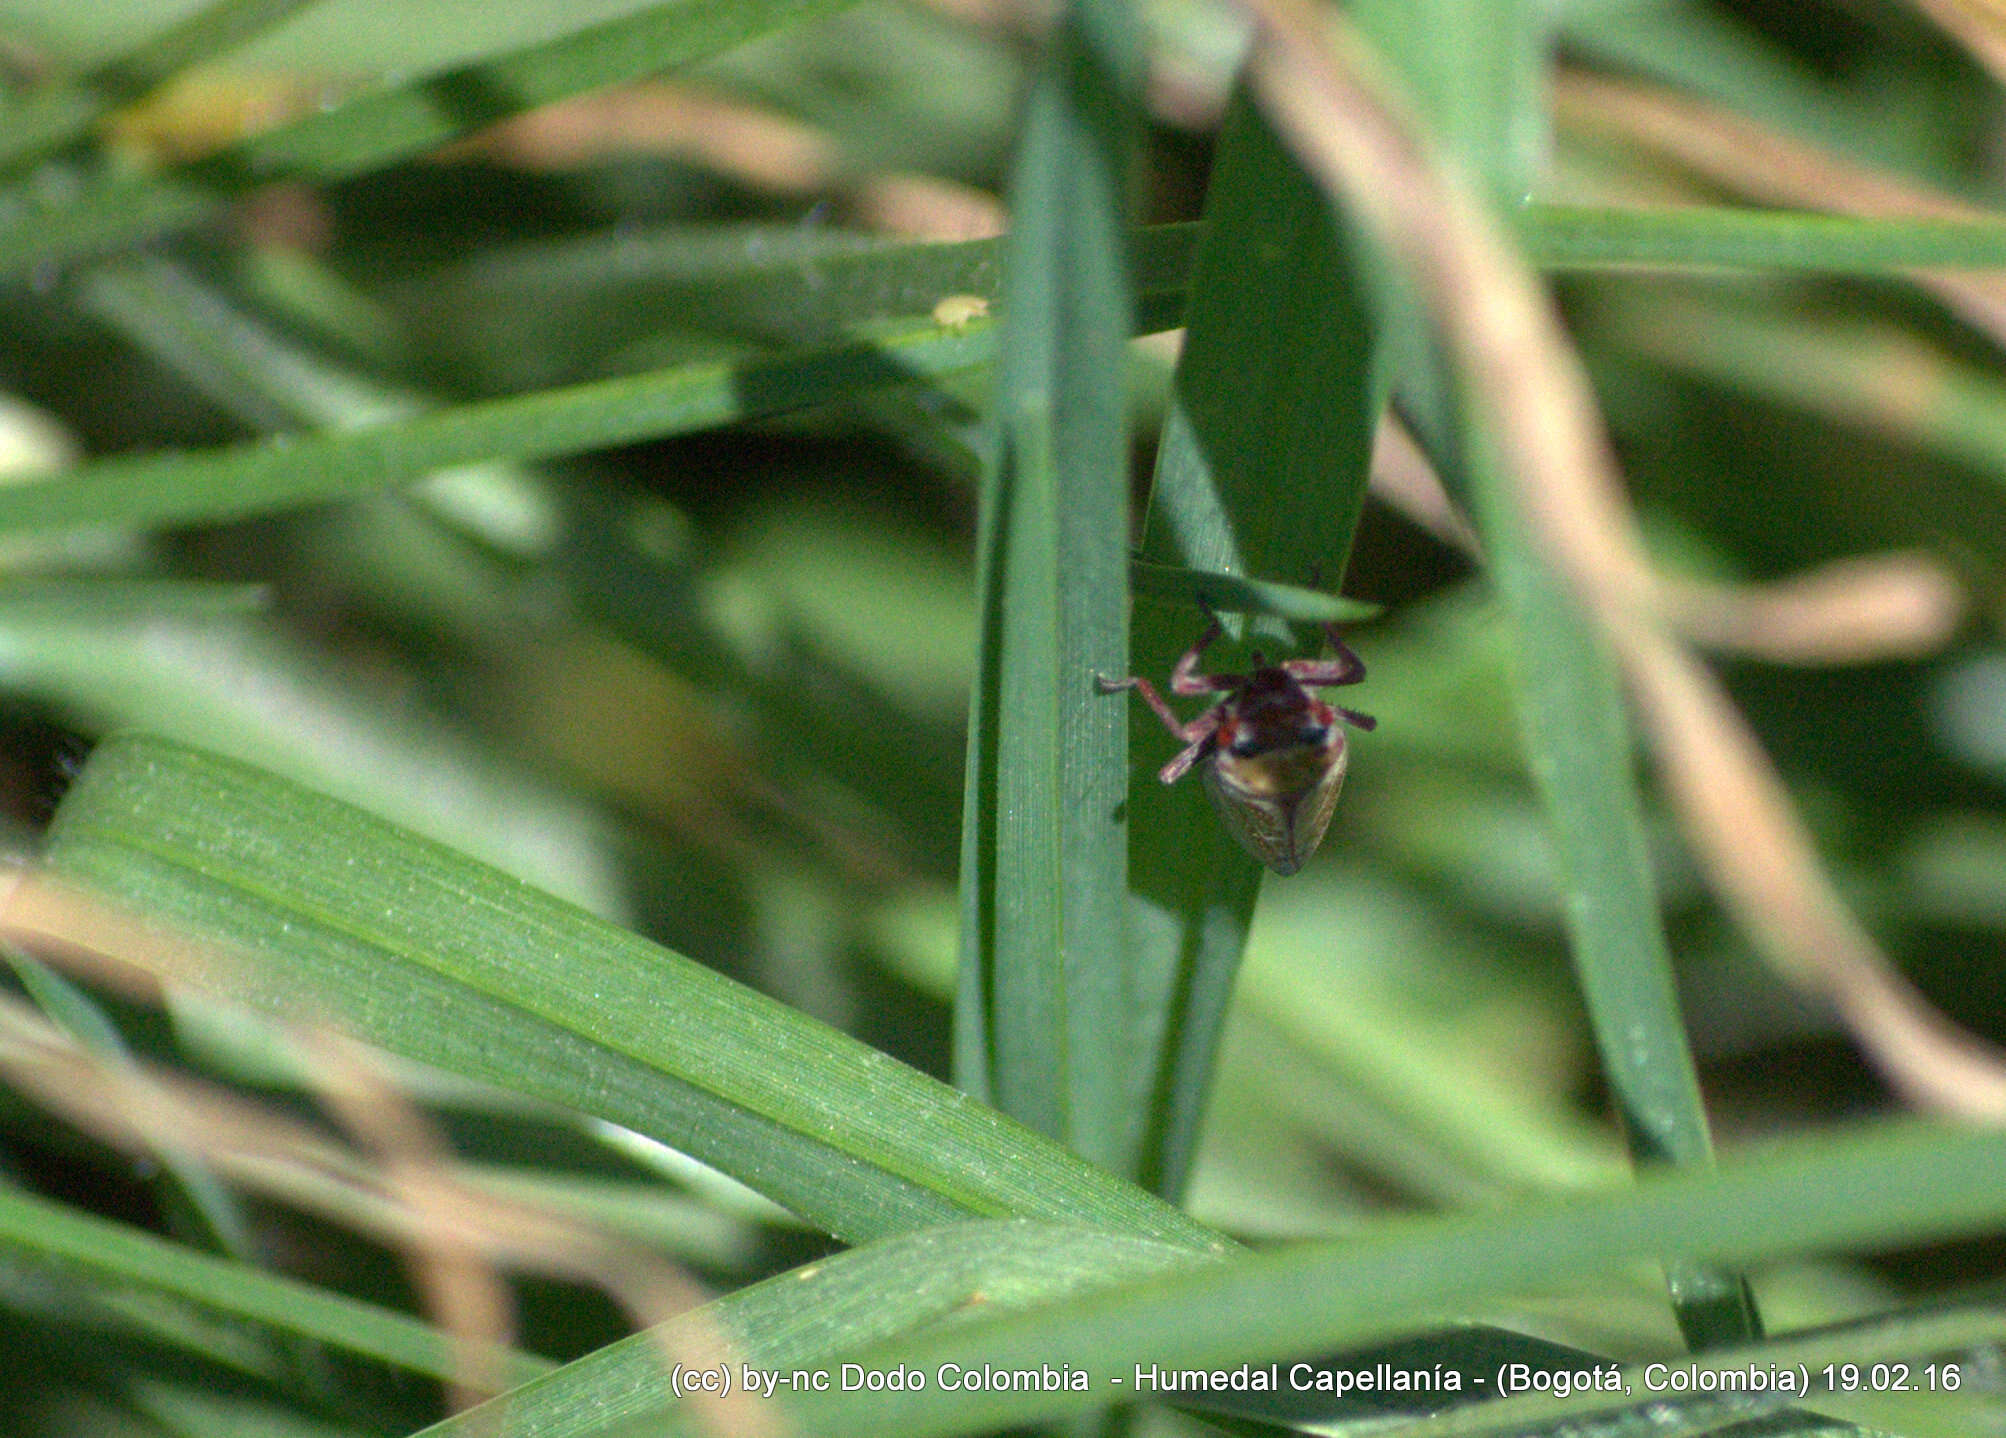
(1273, 752)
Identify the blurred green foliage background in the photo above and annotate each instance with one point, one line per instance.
(709, 679)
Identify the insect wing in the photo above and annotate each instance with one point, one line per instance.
(1278, 806)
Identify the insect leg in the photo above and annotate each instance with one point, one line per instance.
(1206, 725)
(1355, 719)
(1185, 678)
(1197, 735)
(1346, 668)
(1150, 697)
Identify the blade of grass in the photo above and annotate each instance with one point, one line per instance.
(809, 287)
(292, 470)
(800, 286)
(430, 955)
(1890, 1185)
(1237, 594)
(288, 471)
(1577, 736)
(65, 111)
(1043, 1015)
(1262, 472)
(125, 1259)
(391, 123)
(1586, 237)
(802, 1319)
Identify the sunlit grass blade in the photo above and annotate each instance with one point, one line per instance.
(117, 1259)
(1045, 1009)
(432, 956)
(1261, 476)
(393, 123)
(1889, 1185)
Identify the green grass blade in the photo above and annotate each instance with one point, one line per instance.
(266, 380)
(1576, 732)
(1713, 237)
(293, 471)
(1237, 594)
(1045, 1003)
(65, 111)
(289, 471)
(124, 1260)
(430, 955)
(803, 1319)
(785, 282)
(393, 123)
(809, 287)
(1261, 474)
(1894, 1184)
(789, 284)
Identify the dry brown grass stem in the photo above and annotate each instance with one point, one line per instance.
(1860, 610)
(1321, 86)
(749, 142)
(1978, 25)
(1762, 163)
(400, 1184)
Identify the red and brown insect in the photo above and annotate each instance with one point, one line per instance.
(1273, 752)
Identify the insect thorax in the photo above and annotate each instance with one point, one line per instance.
(1279, 773)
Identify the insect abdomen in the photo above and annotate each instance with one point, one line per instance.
(1278, 804)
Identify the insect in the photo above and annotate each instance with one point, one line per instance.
(1273, 753)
